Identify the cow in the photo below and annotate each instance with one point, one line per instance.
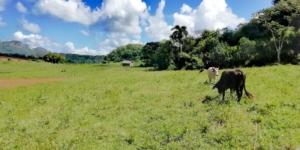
(235, 80)
(212, 72)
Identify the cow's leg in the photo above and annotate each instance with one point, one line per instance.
(223, 95)
(239, 94)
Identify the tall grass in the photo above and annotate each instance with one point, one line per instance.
(110, 107)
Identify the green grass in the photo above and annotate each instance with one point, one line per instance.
(110, 107)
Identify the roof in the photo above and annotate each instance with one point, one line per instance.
(126, 62)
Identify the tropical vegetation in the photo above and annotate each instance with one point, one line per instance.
(269, 37)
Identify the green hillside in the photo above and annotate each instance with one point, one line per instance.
(19, 48)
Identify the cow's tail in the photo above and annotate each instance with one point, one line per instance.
(248, 94)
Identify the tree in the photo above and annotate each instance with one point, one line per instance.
(179, 33)
(127, 52)
(275, 2)
(247, 51)
(148, 52)
(163, 56)
(228, 36)
(278, 20)
(209, 44)
(279, 32)
(54, 58)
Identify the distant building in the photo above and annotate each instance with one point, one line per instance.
(127, 63)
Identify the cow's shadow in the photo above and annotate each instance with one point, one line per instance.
(217, 99)
(209, 99)
(206, 82)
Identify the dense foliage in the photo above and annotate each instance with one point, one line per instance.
(127, 52)
(272, 36)
(54, 58)
(83, 59)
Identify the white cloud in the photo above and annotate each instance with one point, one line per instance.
(115, 40)
(31, 27)
(21, 8)
(70, 48)
(123, 15)
(2, 4)
(158, 28)
(186, 9)
(36, 40)
(186, 17)
(85, 33)
(70, 11)
(210, 15)
(122, 21)
(117, 17)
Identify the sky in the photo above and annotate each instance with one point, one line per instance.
(96, 27)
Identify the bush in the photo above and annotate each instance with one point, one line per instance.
(54, 58)
(129, 52)
(148, 52)
(163, 57)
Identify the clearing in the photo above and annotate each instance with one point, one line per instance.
(111, 107)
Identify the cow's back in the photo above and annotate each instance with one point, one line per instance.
(230, 79)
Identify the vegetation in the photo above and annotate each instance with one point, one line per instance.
(148, 52)
(54, 58)
(111, 107)
(127, 52)
(83, 59)
(271, 36)
(87, 106)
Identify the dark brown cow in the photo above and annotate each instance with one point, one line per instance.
(234, 80)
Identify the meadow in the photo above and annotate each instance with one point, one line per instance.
(114, 107)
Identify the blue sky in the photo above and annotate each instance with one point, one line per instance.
(96, 27)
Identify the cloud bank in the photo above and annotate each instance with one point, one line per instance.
(158, 29)
(209, 15)
(36, 40)
(31, 27)
(126, 21)
(21, 8)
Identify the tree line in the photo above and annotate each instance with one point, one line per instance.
(271, 36)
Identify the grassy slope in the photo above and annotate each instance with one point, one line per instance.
(109, 107)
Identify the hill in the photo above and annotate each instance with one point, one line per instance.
(19, 48)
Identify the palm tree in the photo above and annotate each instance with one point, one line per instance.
(179, 33)
(276, 2)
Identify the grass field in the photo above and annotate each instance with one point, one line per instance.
(110, 107)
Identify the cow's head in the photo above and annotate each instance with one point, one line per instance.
(216, 71)
(218, 87)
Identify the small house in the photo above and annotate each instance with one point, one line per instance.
(127, 63)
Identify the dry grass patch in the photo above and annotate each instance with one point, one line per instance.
(18, 82)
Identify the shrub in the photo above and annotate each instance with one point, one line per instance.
(54, 58)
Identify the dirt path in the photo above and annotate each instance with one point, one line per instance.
(17, 82)
(5, 58)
